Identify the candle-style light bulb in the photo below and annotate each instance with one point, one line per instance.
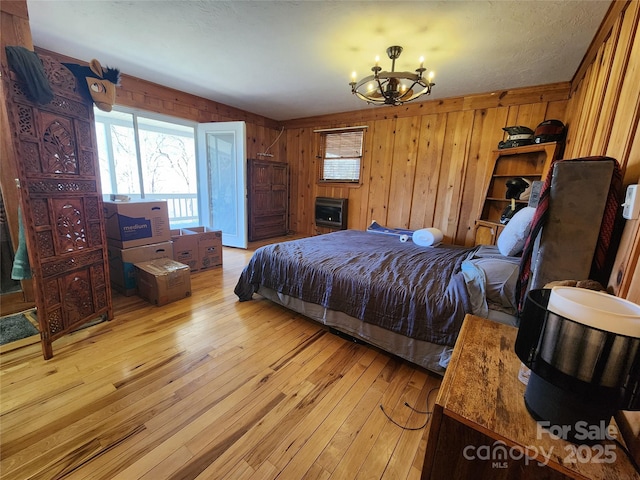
(377, 60)
(431, 75)
(353, 76)
(421, 62)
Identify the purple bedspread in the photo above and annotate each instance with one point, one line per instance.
(416, 291)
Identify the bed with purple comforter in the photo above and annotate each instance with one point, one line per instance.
(407, 299)
(413, 291)
(411, 300)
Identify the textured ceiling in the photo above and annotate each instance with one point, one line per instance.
(293, 59)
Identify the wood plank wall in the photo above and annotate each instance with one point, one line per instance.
(603, 115)
(424, 164)
(153, 97)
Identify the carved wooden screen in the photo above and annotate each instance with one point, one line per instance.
(61, 202)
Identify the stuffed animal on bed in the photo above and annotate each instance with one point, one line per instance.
(97, 84)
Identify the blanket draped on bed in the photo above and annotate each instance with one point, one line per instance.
(415, 291)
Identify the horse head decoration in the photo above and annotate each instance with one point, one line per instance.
(97, 84)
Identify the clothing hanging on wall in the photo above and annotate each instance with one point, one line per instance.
(29, 67)
(21, 267)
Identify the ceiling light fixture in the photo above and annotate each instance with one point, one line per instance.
(392, 88)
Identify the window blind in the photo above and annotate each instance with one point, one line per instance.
(342, 156)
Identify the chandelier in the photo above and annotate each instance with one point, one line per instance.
(392, 88)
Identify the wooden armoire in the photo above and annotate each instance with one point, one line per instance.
(268, 187)
(60, 197)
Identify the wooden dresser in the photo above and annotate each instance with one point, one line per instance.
(268, 191)
(481, 429)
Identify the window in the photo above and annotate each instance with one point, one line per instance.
(342, 156)
(151, 157)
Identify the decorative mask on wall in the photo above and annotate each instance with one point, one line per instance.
(97, 84)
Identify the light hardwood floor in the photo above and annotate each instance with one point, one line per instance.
(209, 388)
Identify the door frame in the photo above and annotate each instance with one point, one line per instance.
(205, 188)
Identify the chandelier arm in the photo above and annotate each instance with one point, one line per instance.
(426, 89)
(362, 82)
(381, 86)
(390, 88)
(368, 99)
(373, 101)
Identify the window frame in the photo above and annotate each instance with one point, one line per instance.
(143, 194)
(322, 148)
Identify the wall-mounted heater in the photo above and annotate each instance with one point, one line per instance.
(331, 212)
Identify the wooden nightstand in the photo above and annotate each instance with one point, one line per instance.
(481, 429)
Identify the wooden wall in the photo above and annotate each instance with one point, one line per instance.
(605, 111)
(152, 97)
(603, 114)
(424, 164)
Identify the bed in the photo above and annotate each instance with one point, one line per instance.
(343, 279)
(409, 299)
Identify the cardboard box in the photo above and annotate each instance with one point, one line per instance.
(121, 263)
(163, 281)
(131, 224)
(185, 248)
(209, 246)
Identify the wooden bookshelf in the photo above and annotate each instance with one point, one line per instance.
(531, 162)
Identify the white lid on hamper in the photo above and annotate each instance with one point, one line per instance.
(596, 309)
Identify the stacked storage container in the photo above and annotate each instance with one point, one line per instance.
(137, 231)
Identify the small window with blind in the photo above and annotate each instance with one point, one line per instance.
(341, 156)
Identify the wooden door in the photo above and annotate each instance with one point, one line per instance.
(223, 179)
(268, 183)
(58, 172)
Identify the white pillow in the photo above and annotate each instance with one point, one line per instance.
(511, 240)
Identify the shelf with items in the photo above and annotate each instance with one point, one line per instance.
(531, 162)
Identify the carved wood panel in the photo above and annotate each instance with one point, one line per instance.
(268, 185)
(61, 202)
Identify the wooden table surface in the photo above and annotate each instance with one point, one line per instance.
(481, 390)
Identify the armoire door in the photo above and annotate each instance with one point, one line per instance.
(61, 202)
(268, 185)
